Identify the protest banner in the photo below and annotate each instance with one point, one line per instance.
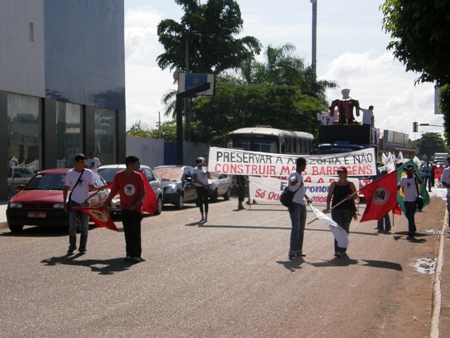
(268, 189)
(250, 163)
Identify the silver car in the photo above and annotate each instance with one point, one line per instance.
(220, 185)
(108, 172)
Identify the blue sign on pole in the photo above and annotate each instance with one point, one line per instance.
(195, 80)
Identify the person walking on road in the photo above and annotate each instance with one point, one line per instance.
(341, 195)
(130, 186)
(384, 224)
(409, 186)
(80, 181)
(427, 169)
(297, 209)
(201, 176)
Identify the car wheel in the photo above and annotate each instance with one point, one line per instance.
(180, 202)
(15, 227)
(214, 196)
(159, 206)
(226, 197)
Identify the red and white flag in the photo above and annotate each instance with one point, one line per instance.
(380, 196)
(149, 204)
(99, 217)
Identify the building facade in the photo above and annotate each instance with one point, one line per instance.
(62, 84)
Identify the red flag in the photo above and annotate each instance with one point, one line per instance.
(99, 217)
(149, 204)
(380, 196)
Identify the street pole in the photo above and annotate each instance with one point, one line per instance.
(314, 40)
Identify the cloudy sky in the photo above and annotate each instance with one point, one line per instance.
(351, 50)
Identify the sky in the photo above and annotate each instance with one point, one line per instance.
(351, 50)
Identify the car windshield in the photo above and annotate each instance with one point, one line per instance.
(108, 173)
(169, 174)
(47, 182)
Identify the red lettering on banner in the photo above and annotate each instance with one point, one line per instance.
(308, 179)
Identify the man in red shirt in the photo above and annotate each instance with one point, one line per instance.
(130, 186)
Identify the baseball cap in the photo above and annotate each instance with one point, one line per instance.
(199, 160)
(342, 170)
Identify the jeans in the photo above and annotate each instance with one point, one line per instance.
(297, 212)
(427, 181)
(73, 216)
(343, 217)
(131, 221)
(387, 223)
(410, 210)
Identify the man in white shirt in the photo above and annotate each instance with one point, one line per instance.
(322, 117)
(93, 162)
(297, 210)
(368, 117)
(410, 187)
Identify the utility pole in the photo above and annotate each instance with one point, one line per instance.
(314, 40)
(187, 114)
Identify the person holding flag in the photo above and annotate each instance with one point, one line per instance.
(130, 186)
(409, 186)
(342, 195)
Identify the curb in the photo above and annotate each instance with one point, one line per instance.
(437, 295)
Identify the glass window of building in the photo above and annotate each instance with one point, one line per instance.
(69, 133)
(25, 138)
(105, 135)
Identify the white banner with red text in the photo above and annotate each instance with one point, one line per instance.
(250, 163)
(268, 190)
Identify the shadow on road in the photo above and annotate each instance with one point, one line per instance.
(292, 264)
(102, 267)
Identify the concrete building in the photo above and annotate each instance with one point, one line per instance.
(62, 83)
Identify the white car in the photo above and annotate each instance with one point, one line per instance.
(108, 172)
(16, 176)
(220, 185)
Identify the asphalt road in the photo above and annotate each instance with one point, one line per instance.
(227, 278)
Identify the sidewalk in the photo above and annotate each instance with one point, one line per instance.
(3, 205)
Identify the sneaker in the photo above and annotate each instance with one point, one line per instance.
(82, 252)
(292, 255)
(70, 251)
(128, 259)
(138, 260)
(300, 253)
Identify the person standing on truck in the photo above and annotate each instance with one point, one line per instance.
(368, 117)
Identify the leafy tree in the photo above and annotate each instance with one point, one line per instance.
(419, 30)
(282, 67)
(208, 30)
(444, 106)
(139, 129)
(235, 106)
(429, 144)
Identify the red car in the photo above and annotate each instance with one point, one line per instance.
(40, 201)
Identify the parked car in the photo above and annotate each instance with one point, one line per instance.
(40, 201)
(220, 185)
(18, 175)
(108, 172)
(178, 182)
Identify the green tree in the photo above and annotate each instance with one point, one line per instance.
(208, 30)
(429, 144)
(282, 67)
(235, 106)
(419, 30)
(444, 106)
(139, 129)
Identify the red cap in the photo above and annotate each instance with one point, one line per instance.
(342, 170)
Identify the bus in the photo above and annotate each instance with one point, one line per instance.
(271, 140)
